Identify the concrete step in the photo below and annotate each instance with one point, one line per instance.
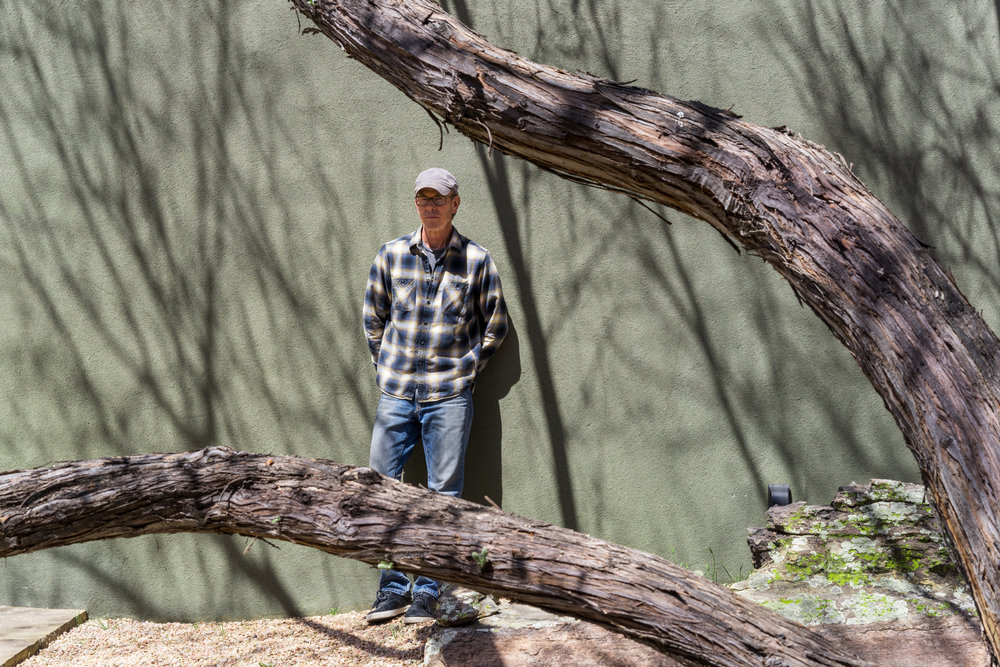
(25, 630)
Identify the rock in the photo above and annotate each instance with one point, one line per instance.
(525, 636)
(931, 642)
(461, 606)
(873, 570)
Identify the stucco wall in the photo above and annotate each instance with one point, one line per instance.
(191, 194)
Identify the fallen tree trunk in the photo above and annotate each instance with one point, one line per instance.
(356, 512)
(924, 348)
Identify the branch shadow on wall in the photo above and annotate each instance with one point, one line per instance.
(507, 204)
(189, 308)
(916, 117)
(760, 400)
(592, 37)
(168, 295)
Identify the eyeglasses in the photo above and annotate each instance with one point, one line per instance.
(431, 201)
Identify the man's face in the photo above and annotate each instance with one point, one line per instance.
(436, 217)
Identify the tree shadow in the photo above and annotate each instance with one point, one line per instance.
(484, 460)
(170, 292)
(778, 388)
(916, 116)
(484, 456)
(172, 287)
(508, 200)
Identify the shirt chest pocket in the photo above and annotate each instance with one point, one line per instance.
(403, 294)
(455, 299)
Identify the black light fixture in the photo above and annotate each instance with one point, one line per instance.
(779, 494)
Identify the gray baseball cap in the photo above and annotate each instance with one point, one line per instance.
(438, 179)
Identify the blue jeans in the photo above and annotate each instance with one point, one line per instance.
(444, 428)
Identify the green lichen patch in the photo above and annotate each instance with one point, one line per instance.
(854, 561)
(879, 490)
(934, 608)
(807, 609)
(871, 607)
(758, 580)
(893, 491)
(875, 518)
(832, 568)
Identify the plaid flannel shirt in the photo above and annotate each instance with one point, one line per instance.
(431, 332)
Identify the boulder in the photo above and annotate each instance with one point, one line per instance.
(874, 570)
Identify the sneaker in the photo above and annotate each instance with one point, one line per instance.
(388, 605)
(422, 609)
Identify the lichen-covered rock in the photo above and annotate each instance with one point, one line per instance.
(875, 557)
(877, 553)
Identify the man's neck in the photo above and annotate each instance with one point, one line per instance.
(435, 241)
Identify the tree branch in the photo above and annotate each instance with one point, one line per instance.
(357, 513)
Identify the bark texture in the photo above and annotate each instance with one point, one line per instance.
(356, 512)
(927, 352)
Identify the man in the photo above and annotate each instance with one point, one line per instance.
(434, 314)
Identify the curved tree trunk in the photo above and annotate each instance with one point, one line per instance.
(358, 513)
(924, 348)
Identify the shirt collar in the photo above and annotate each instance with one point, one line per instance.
(455, 240)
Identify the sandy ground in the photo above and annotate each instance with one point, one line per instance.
(344, 640)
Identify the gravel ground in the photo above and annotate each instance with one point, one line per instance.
(344, 640)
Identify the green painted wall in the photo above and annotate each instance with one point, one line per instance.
(191, 194)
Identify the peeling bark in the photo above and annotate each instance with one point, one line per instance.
(356, 512)
(924, 348)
